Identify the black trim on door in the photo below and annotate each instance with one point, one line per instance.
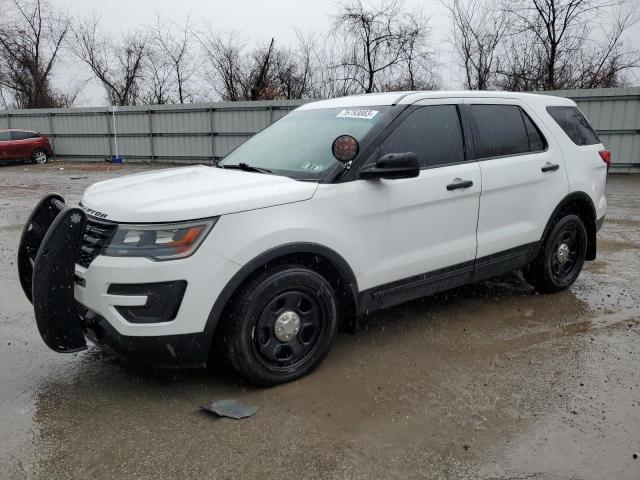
(425, 284)
(505, 261)
(411, 288)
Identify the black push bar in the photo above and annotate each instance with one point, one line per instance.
(47, 254)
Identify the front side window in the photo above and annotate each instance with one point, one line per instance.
(5, 136)
(432, 132)
(574, 124)
(501, 131)
(299, 145)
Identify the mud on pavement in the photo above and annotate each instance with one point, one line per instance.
(488, 381)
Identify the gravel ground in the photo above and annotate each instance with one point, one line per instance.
(489, 381)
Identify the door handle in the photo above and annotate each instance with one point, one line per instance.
(550, 167)
(457, 183)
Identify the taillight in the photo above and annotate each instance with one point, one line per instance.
(605, 155)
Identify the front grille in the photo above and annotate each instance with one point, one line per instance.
(96, 235)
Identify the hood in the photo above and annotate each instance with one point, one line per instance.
(188, 193)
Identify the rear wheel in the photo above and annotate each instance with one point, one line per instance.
(281, 326)
(40, 157)
(561, 258)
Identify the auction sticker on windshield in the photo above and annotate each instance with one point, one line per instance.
(363, 114)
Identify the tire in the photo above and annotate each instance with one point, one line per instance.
(561, 257)
(258, 336)
(40, 157)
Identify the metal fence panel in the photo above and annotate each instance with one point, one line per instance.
(37, 122)
(132, 123)
(90, 123)
(134, 147)
(181, 122)
(182, 147)
(236, 121)
(204, 132)
(83, 147)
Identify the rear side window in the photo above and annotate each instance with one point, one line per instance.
(432, 132)
(5, 136)
(23, 135)
(574, 124)
(501, 131)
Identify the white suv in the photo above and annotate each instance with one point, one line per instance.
(342, 207)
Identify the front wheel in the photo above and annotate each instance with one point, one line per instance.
(561, 257)
(40, 157)
(281, 326)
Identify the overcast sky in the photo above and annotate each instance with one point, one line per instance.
(257, 20)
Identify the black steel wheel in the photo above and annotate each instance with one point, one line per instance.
(287, 329)
(561, 257)
(281, 326)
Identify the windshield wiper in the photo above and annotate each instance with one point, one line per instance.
(246, 167)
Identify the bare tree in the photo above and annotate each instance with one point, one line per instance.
(158, 81)
(479, 27)
(294, 69)
(265, 72)
(519, 63)
(118, 65)
(377, 37)
(3, 100)
(32, 33)
(569, 53)
(225, 64)
(260, 83)
(327, 80)
(417, 67)
(611, 58)
(173, 45)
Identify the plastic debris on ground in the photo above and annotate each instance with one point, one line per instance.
(229, 409)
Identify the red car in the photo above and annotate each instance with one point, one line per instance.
(24, 145)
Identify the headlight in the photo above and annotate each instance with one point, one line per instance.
(159, 241)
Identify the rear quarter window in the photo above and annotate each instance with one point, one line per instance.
(574, 124)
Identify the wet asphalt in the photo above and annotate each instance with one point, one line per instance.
(489, 381)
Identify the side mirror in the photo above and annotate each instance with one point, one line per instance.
(393, 166)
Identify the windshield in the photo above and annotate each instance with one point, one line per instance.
(299, 145)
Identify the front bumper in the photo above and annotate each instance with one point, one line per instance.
(110, 302)
(205, 274)
(165, 351)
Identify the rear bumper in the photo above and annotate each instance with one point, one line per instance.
(599, 223)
